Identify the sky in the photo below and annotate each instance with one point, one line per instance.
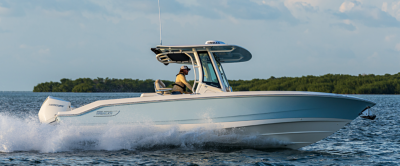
(43, 40)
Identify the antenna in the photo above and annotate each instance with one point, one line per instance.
(159, 19)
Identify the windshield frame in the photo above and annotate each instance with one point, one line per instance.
(211, 66)
(219, 67)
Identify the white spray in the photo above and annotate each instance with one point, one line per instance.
(30, 135)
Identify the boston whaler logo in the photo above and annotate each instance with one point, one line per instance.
(56, 105)
(106, 113)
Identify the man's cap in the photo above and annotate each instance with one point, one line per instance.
(185, 68)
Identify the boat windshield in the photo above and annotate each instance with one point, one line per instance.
(209, 76)
(221, 70)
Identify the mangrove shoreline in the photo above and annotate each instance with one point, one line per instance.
(330, 83)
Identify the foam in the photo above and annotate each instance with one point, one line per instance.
(29, 134)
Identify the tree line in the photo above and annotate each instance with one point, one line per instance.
(98, 85)
(330, 83)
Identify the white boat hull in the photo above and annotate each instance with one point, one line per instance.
(296, 119)
(294, 133)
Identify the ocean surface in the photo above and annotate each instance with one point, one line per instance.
(24, 141)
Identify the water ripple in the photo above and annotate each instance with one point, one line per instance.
(24, 141)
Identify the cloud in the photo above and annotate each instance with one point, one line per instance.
(55, 13)
(384, 6)
(189, 3)
(34, 50)
(393, 9)
(301, 9)
(117, 10)
(245, 10)
(346, 6)
(236, 9)
(349, 27)
(345, 24)
(4, 11)
(397, 47)
(389, 37)
(373, 58)
(369, 15)
(44, 51)
(83, 26)
(23, 46)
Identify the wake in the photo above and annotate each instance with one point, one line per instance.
(29, 134)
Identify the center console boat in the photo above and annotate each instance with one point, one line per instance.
(293, 117)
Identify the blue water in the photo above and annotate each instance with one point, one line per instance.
(23, 140)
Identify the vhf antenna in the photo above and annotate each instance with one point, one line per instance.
(159, 19)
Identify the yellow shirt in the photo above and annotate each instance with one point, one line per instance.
(181, 80)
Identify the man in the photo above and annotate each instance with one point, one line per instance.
(180, 82)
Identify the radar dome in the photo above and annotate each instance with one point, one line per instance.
(214, 42)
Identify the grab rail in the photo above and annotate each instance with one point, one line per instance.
(194, 70)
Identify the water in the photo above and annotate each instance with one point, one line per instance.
(23, 140)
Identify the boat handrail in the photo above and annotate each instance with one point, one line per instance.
(233, 49)
(194, 71)
(180, 50)
(163, 58)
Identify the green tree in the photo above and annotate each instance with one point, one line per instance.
(332, 83)
(83, 87)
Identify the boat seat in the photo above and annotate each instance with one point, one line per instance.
(160, 87)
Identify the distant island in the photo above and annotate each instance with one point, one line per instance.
(330, 83)
(98, 85)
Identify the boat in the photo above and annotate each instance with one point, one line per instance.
(294, 118)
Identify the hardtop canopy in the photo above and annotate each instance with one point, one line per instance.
(180, 54)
